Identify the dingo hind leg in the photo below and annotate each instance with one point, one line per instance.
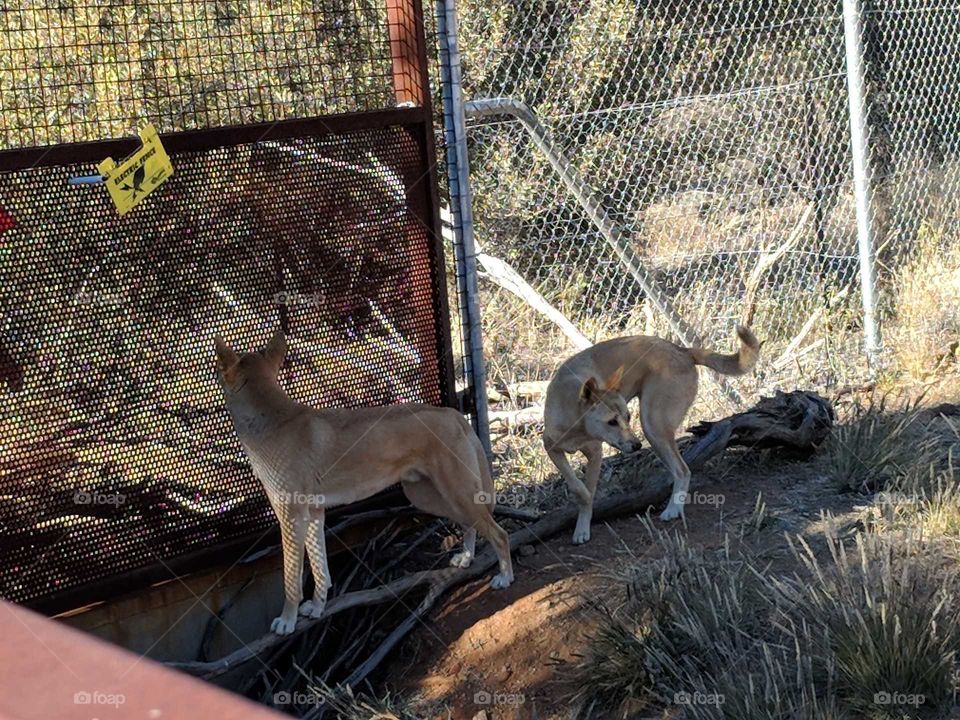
(422, 492)
(495, 534)
(662, 408)
(446, 493)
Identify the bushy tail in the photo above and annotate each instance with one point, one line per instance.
(736, 364)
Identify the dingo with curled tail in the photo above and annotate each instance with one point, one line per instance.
(310, 460)
(586, 405)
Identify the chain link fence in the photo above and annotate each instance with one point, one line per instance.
(716, 137)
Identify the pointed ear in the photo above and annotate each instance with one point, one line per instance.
(276, 349)
(588, 392)
(614, 379)
(226, 357)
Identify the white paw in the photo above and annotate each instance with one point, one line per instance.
(501, 580)
(461, 560)
(311, 608)
(581, 535)
(282, 625)
(671, 512)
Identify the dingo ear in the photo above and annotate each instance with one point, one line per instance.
(588, 392)
(226, 357)
(615, 378)
(276, 349)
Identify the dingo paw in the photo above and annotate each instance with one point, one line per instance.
(671, 512)
(283, 625)
(501, 580)
(311, 608)
(581, 533)
(461, 560)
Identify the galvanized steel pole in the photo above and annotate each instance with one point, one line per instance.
(853, 33)
(465, 253)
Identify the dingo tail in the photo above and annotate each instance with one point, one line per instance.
(738, 363)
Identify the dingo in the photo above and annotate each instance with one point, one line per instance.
(309, 460)
(580, 413)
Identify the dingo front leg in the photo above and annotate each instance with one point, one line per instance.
(317, 553)
(584, 497)
(293, 531)
(594, 453)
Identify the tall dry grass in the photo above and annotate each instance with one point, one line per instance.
(924, 331)
(869, 629)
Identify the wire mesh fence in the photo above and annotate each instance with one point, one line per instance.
(716, 135)
(79, 71)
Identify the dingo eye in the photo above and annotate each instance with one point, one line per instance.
(613, 422)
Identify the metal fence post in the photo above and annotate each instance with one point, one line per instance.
(853, 33)
(465, 253)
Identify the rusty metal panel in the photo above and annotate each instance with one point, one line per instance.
(118, 463)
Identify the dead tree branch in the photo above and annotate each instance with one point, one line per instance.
(766, 261)
(509, 279)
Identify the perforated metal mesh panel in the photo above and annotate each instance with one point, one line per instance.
(115, 449)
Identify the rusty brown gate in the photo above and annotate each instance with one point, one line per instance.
(304, 194)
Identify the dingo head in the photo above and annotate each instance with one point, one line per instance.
(605, 414)
(234, 371)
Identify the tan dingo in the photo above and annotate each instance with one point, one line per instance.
(586, 405)
(309, 460)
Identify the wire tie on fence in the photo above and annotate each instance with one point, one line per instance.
(86, 180)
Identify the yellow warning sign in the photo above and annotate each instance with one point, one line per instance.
(138, 175)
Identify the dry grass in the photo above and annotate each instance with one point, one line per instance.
(886, 443)
(875, 447)
(924, 332)
(868, 625)
(346, 705)
(715, 636)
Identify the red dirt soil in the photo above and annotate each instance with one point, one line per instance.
(497, 652)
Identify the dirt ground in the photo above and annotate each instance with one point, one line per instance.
(500, 654)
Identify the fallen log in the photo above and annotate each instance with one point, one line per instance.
(524, 390)
(797, 420)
